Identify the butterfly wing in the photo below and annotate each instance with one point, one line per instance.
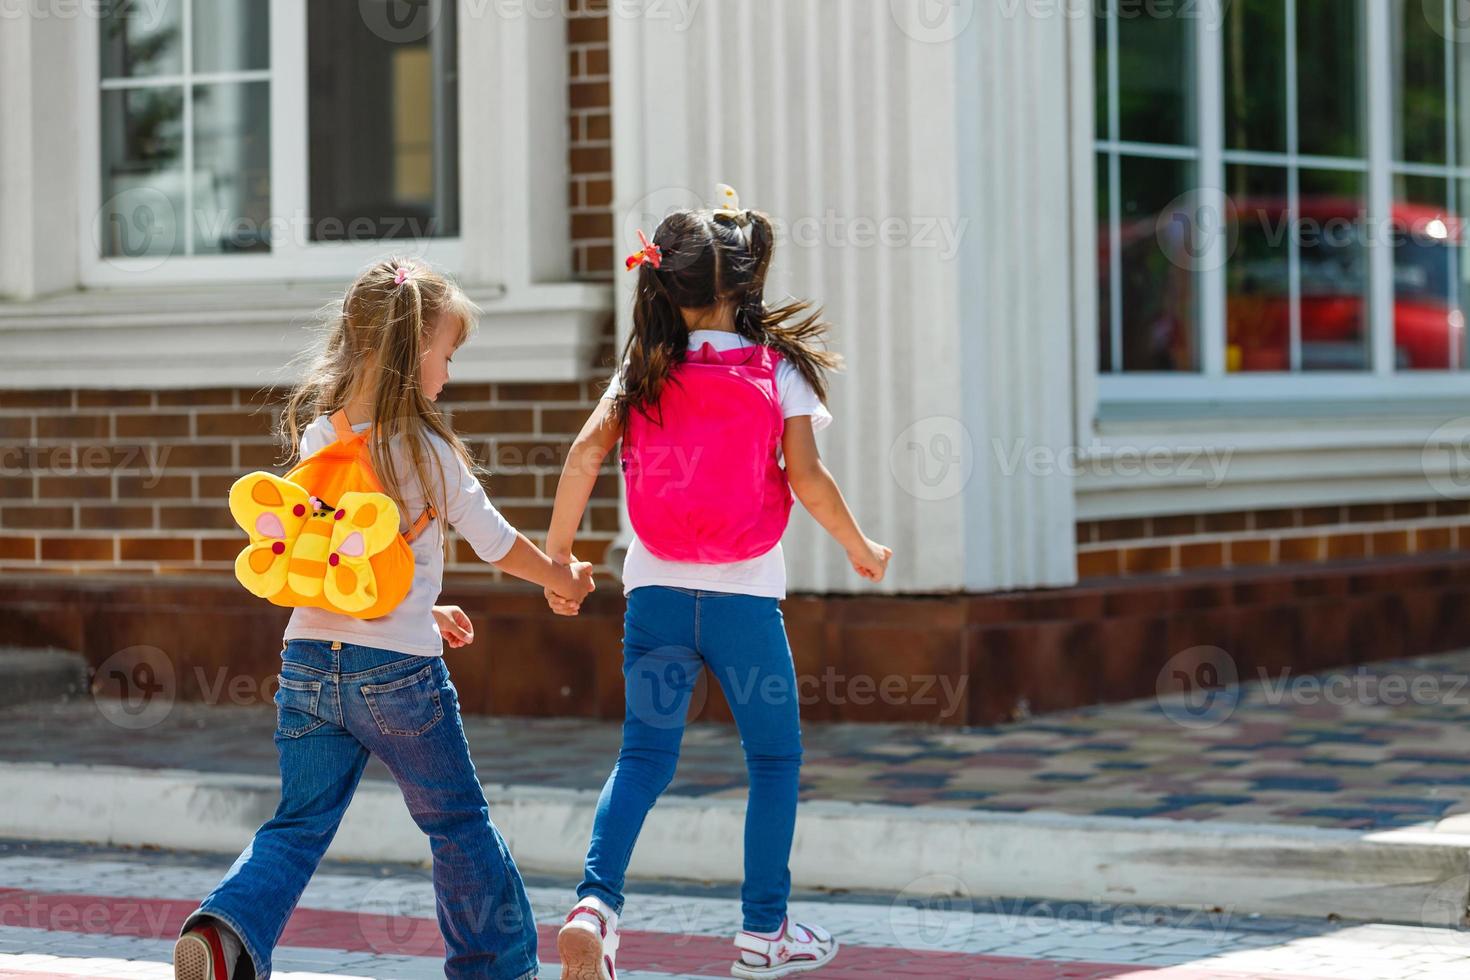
(266, 507)
(369, 524)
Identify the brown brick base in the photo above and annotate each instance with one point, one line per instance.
(950, 660)
(1182, 543)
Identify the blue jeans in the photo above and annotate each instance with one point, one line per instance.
(333, 707)
(669, 635)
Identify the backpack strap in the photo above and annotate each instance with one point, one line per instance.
(418, 526)
(344, 428)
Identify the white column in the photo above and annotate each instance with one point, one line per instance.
(38, 152)
(920, 173)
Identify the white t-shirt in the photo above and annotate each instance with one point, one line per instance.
(410, 627)
(764, 575)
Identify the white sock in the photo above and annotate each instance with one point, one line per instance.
(604, 909)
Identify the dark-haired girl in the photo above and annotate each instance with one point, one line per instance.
(716, 392)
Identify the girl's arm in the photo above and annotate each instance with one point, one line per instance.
(819, 494)
(578, 476)
(571, 580)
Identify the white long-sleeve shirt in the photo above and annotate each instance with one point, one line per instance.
(410, 627)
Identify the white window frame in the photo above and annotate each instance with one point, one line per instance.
(1212, 383)
(289, 258)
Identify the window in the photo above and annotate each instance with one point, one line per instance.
(296, 137)
(1279, 191)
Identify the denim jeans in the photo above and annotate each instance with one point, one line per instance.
(669, 635)
(336, 703)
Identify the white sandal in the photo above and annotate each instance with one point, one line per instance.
(798, 949)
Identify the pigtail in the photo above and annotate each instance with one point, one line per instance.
(801, 340)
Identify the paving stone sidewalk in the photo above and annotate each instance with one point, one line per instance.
(1370, 747)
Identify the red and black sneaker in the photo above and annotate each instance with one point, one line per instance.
(200, 955)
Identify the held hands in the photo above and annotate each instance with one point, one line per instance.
(568, 600)
(870, 559)
(454, 625)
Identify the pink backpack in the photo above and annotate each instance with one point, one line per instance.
(703, 482)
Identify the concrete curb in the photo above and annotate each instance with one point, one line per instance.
(1419, 877)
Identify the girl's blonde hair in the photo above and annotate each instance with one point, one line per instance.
(375, 340)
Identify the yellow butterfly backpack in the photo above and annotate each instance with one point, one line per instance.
(325, 534)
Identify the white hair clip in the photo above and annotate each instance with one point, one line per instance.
(730, 205)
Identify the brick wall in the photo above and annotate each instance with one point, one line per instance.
(590, 122)
(1295, 535)
(107, 481)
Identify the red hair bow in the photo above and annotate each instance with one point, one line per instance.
(650, 254)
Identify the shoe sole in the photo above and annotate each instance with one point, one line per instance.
(193, 959)
(739, 969)
(580, 951)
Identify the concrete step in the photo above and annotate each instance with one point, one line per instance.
(28, 674)
(1406, 876)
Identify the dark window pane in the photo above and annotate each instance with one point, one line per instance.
(232, 156)
(1159, 319)
(1330, 60)
(1426, 290)
(1258, 276)
(231, 35)
(142, 39)
(1417, 50)
(142, 172)
(1334, 271)
(1104, 267)
(383, 120)
(1155, 73)
(1255, 75)
(1100, 70)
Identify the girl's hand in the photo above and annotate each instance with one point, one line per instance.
(581, 574)
(870, 560)
(454, 625)
(561, 605)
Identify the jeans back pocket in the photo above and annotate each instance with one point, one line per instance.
(296, 707)
(407, 706)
